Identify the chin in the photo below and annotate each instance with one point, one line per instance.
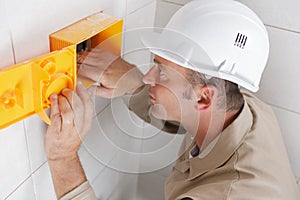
(159, 112)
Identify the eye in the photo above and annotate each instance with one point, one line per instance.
(162, 72)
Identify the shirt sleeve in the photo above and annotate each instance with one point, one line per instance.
(82, 192)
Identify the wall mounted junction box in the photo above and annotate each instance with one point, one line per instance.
(93, 31)
(25, 88)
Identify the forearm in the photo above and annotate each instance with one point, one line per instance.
(66, 175)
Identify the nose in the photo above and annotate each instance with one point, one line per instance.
(152, 76)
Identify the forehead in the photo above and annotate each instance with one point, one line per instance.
(170, 65)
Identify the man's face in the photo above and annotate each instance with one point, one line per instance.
(169, 92)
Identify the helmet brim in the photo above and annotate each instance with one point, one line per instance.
(182, 51)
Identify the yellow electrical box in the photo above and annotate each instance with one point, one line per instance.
(98, 29)
(90, 32)
(25, 88)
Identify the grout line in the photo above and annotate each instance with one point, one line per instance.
(147, 4)
(282, 108)
(39, 167)
(31, 172)
(29, 158)
(27, 145)
(96, 114)
(170, 2)
(26, 179)
(33, 179)
(12, 46)
(283, 29)
(106, 165)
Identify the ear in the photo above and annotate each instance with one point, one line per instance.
(205, 96)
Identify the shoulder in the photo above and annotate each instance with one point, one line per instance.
(258, 108)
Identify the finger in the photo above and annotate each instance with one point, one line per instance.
(66, 114)
(55, 114)
(100, 51)
(90, 72)
(90, 58)
(93, 57)
(77, 107)
(92, 53)
(88, 107)
(97, 58)
(81, 56)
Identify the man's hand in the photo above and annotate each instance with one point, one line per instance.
(116, 76)
(71, 118)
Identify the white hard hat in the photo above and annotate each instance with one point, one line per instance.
(220, 38)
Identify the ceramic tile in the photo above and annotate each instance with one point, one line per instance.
(289, 124)
(100, 104)
(43, 184)
(134, 5)
(127, 121)
(159, 149)
(92, 167)
(136, 23)
(116, 8)
(128, 137)
(35, 131)
(14, 162)
(105, 183)
(135, 52)
(40, 18)
(126, 161)
(6, 49)
(284, 14)
(150, 186)
(25, 191)
(126, 187)
(99, 142)
(164, 11)
(280, 84)
(166, 171)
(143, 17)
(180, 2)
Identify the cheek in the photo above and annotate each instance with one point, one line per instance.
(168, 97)
(162, 93)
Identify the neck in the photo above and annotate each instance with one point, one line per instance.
(211, 125)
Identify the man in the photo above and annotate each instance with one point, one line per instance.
(207, 50)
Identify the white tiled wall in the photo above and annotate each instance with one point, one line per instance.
(15, 166)
(24, 171)
(281, 14)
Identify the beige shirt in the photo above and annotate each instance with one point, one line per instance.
(82, 192)
(248, 160)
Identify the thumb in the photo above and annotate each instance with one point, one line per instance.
(55, 114)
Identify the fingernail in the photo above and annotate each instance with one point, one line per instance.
(79, 82)
(53, 97)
